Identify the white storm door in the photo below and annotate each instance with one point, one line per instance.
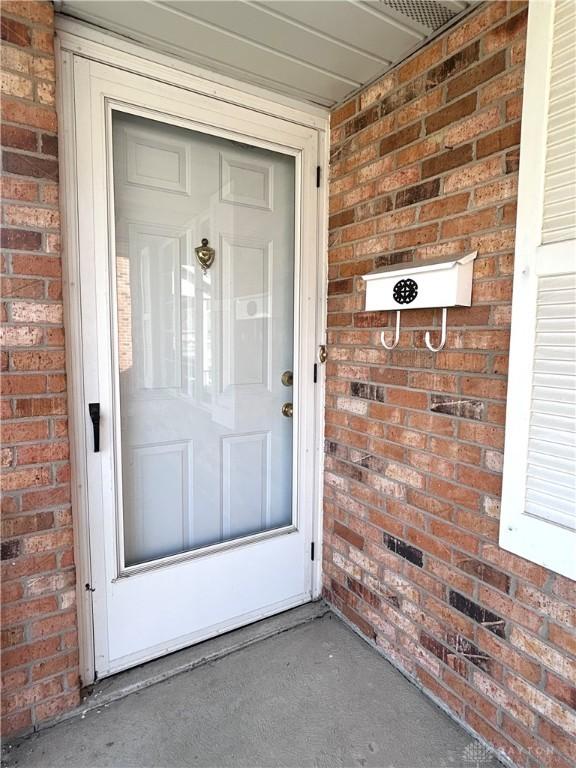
(196, 302)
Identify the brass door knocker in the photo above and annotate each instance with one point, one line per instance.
(205, 255)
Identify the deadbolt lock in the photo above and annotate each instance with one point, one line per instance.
(287, 410)
(322, 353)
(287, 378)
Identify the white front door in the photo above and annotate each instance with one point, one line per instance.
(198, 344)
(202, 351)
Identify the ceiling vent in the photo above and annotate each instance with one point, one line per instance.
(429, 13)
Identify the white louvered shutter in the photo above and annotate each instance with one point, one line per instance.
(559, 218)
(538, 518)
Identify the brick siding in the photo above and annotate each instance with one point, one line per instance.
(39, 641)
(424, 164)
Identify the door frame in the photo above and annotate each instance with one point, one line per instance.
(78, 40)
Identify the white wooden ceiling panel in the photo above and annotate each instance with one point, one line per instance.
(355, 23)
(285, 36)
(319, 51)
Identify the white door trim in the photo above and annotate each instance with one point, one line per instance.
(69, 48)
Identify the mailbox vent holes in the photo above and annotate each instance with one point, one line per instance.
(405, 291)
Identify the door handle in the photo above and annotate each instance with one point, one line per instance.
(94, 411)
(287, 410)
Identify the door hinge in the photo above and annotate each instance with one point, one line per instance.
(89, 588)
(318, 171)
(311, 550)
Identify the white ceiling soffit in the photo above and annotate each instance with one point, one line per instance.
(319, 51)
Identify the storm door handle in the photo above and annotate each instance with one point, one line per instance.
(94, 411)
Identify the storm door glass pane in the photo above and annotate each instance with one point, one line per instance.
(203, 336)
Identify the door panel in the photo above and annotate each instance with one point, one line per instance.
(245, 484)
(200, 502)
(158, 476)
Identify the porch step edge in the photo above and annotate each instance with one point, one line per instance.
(123, 684)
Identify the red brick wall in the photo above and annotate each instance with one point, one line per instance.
(39, 642)
(424, 164)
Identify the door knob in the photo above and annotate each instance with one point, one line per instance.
(287, 410)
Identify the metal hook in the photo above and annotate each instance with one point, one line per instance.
(396, 334)
(442, 336)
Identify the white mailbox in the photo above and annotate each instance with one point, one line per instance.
(437, 283)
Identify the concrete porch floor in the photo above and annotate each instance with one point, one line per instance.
(313, 694)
